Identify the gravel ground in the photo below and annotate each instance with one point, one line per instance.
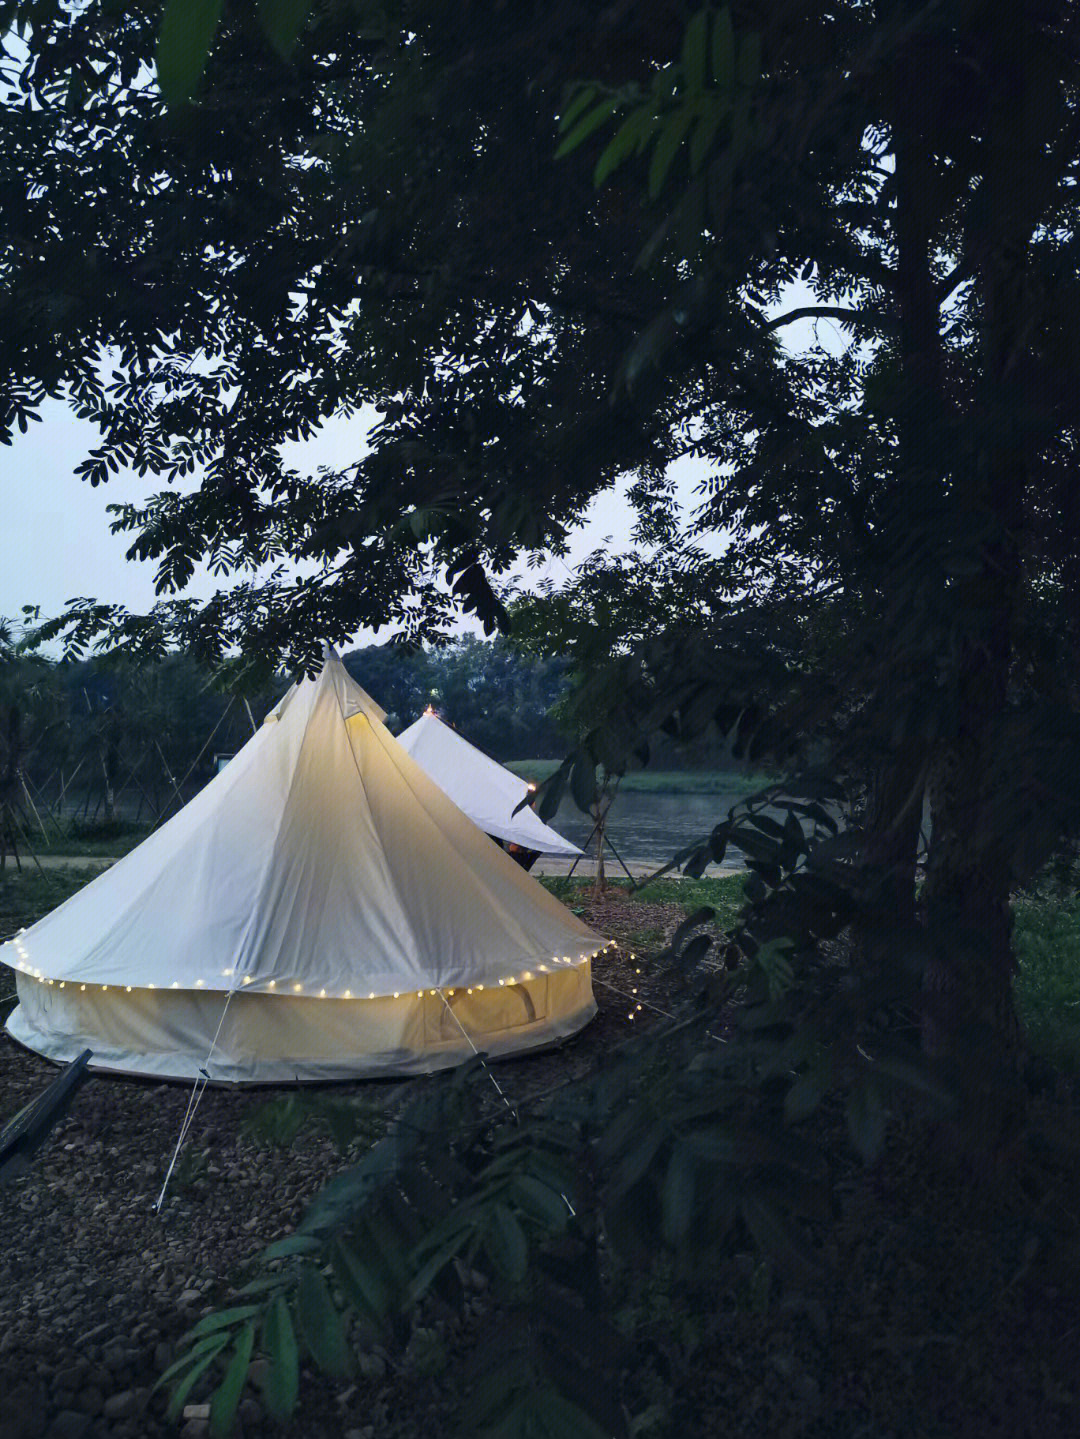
(95, 1287)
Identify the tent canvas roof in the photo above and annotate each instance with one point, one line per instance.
(480, 787)
(322, 859)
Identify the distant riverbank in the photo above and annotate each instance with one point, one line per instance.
(661, 781)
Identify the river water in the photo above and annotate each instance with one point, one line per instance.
(650, 828)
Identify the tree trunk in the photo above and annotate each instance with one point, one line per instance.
(898, 779)
(969, 877)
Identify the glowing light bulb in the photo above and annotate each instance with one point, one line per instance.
(322, 994)
(348, 993)
(273, 984)
(397, 994)
(371, 995)
(104, 987)
(247, 979)
(127, 988)
(297, 988)
(198, 984)
(82, 987)
(62, 983)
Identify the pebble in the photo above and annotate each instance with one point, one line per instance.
(250, 1411)
(190, 1296)
(72, 1376)
(69, 1424)
(195, 1429)
(120, 1406)
(93, 1335)
(89, 1400)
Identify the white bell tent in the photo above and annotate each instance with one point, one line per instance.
(321, 910)
(479, 786)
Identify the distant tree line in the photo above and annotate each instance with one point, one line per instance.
(498, 698)
(100, 742)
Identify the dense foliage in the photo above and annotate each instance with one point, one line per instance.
(532, 316)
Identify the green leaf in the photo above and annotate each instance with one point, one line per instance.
(184, 1388)
(320, 1323)
(632, 134)
(283, 1381)
(776, 1237)
(705, 131)
(505, 1242)
(187, 33)
(434, 1265)
(583, 97)
(545, 1204)
(286, 1248)
(805, 1095)
(596, 117)
(678, 1193)
(748, 68)
(227, 1395)
(560, 1418)
(723, 53)
(282, 21)
(866, 1120)
(212, 1344)
(695, 42)
(583, 782)
(362, 1287)
(221, 1320)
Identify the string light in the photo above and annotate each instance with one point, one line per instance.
(508, 981)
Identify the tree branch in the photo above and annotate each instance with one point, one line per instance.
(875, 319)
(954, 279)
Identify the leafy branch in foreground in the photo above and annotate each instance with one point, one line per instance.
(681, 1151)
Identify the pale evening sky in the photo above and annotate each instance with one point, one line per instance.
(55, 543)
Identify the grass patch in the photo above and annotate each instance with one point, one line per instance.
(724, 894)
(660, 781)
(1047, 940)
(27, 895)
(85, 841)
